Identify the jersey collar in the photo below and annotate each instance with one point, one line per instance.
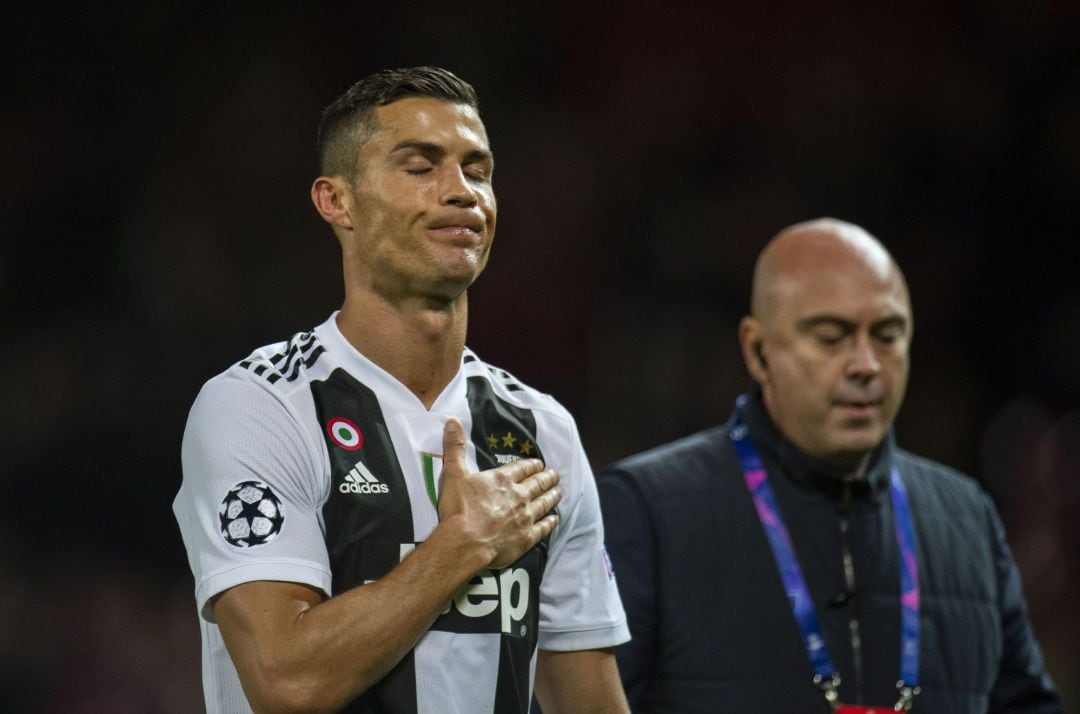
(385, 384)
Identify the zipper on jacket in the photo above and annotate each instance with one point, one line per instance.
(849, 587)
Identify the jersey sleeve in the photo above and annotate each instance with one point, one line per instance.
(579, 602)
(248, 506)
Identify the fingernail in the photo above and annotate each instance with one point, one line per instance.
(452, 427)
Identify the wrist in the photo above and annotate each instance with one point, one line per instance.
(455, 537)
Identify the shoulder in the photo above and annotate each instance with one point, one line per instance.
(943, 492)
(257, 423)
(274, 371)
(260, 397)
(685, 458)
(283, 365)
(673, 493)
(931, 478)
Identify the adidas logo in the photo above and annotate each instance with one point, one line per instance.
(361, 480)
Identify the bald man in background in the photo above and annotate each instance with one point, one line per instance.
(795, 559)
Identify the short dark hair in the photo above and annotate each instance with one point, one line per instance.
(349, 118)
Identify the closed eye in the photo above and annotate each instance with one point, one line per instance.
(829, 332)
(890, 331)
(478, 168)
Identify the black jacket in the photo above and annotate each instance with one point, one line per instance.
(712, 628)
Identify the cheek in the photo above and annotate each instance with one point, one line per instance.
(390, 218)
(819, 374)
(489, 208)
(803, 385)
(427, 193)
(898, 375)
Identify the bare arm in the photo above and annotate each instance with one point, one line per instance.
(295, 651)
(585, 682)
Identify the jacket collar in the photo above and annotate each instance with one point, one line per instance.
(781, 455)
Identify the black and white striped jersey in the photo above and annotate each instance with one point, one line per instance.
(308, 463)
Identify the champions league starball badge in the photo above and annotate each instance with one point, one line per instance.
(250, 515)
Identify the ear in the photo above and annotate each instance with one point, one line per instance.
(752, 341)
(332, 199)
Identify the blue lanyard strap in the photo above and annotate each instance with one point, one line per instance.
(802, 606)
(909, 584)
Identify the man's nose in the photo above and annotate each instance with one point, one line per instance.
(456, 188)
(863, 360)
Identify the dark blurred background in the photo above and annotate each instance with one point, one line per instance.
(155, 160)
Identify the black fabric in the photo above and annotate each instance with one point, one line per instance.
(502, 429)
(712, 628)
(364, 536)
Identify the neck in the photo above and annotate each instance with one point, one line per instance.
(843, 465)
(419, 342)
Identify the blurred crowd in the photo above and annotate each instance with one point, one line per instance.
(155, 227)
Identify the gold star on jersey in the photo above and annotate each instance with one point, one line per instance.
(510, 446)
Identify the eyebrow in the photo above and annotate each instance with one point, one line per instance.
(809, 323)
(435, 151)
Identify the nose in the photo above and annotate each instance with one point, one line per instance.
(863, 361)
(456, 188)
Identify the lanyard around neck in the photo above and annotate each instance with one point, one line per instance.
(825, 673)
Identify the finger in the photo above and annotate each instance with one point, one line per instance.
(543, 527)
(553, 498)
(540, 482)
(544, 503)
(454, 447)
(518, 471)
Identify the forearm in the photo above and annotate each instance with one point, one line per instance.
(585, 682)
(322, 654)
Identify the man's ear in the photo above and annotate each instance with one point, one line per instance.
(761, 356)
(331, 198)
(751, 340)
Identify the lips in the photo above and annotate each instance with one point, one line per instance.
(457, 224)
(456, 231)
(858, 403)
(858, 408)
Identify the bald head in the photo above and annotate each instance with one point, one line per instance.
(827, 339)
(822, 246)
